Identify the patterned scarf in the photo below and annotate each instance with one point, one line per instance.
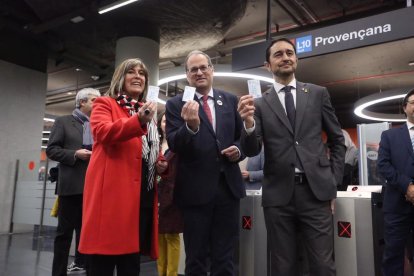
(129, 104)
(87, 139)
(150, 142)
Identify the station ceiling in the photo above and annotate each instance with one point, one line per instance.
(82, 54)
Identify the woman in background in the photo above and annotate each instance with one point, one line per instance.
(351, 163)
(115, 179)
(170, 221)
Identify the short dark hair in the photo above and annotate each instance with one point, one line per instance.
(409, 94)
(276, 41)
(159, 119)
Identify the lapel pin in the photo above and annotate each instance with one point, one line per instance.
(219, 102)
(305, 90)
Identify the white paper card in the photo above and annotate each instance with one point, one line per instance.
(189, 93)
(254, 88)
(152, 94)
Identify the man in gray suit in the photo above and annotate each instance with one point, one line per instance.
(299, 185)
(70, 144)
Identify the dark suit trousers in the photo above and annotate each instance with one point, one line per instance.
(212, 230)
(312, 218)
(104, 265)
(397, 228)
(69, 219)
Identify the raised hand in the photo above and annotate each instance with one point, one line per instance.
(189, 113)
(246, 110)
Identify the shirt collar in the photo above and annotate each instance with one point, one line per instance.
(409, 125)
(279, 86)
(210, 94)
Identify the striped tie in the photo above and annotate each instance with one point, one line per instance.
(207, 109)
(411, 130)
(412, 142)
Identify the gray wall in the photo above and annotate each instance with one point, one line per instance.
(22, 107)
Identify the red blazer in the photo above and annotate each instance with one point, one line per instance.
(111, 197)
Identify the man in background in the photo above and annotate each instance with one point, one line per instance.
(70, 144)
(396, 165)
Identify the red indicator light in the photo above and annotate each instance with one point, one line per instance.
(247, 222)
(344, 229)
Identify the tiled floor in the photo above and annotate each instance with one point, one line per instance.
(29, 255)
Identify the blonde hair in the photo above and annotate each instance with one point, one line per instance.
(118, 79)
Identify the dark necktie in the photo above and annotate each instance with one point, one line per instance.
(291, 114)
(206, 109)
(290, 105)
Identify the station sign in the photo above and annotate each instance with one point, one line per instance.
(353, 34)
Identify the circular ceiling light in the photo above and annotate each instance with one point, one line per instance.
(390, 95)
(218, 74)
(220, 70)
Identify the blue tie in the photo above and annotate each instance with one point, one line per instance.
(290, 105)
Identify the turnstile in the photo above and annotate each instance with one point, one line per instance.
(358, 231)
(253, 258)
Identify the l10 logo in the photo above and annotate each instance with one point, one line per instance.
(304, 44)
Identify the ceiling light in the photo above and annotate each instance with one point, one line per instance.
(95, 78)
(48, 119)
(411, 63)
(77, 19)
(362, 104)
(115, 5)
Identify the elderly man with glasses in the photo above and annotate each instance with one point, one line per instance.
(205, 133)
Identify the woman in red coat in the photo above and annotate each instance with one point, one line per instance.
(120, 199)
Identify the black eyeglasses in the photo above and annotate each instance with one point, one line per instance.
(203, 69)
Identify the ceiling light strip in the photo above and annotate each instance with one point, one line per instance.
(115, 5)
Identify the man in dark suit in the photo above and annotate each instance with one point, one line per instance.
(299, 185)
(396, 165)
(205, 133)
(70, 144)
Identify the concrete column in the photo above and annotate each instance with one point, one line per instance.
(143, 48)
(21, 122)
(23, 84)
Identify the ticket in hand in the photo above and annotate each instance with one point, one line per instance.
(189, 93)
(152, 95)
(254, 88)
